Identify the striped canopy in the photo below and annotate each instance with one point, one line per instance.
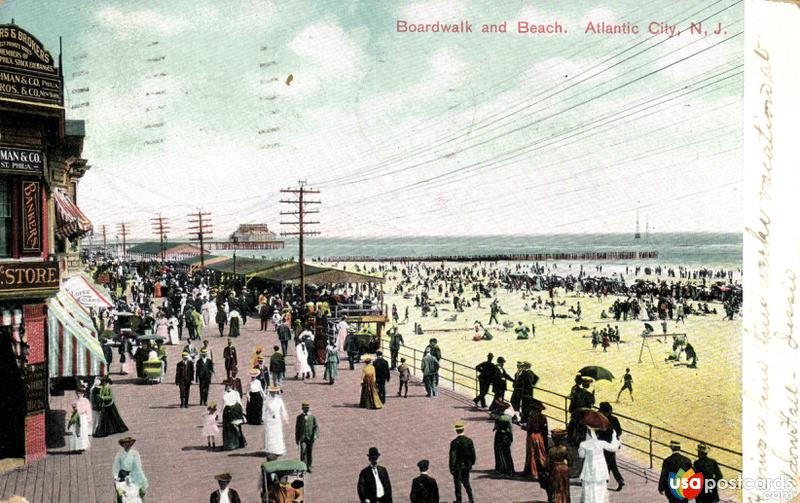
(74, 348)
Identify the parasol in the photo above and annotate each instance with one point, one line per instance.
(592, 419)
(649, 327)
(596, 373)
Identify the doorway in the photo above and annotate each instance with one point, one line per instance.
(12, 401)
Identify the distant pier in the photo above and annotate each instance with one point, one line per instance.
(534, 257)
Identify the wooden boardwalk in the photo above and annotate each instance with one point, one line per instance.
(181, 469)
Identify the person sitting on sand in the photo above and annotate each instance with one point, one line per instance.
(522, 331)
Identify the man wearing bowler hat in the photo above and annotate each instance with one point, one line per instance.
(373, 481)
(306, 432)
(424, 488)
(225, 494)
(462, 458)
(672, 464)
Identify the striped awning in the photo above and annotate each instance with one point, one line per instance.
(74, 348)
(71, 223)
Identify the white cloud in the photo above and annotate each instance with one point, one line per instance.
(433, 10)
(138, 21)
(328, 46)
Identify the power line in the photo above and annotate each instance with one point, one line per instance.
(300, 202)
(160, 228)
(200, 230)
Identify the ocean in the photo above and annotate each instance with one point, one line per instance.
(711, 250)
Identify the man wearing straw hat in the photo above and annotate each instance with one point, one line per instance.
(462, 459)
(672, 464)
(710, 470)
(129, 463)
(184, 375)
(225, 494)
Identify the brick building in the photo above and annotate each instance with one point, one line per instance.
(40, 228)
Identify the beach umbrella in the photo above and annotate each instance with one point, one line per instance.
(593, 419)
(596, 373)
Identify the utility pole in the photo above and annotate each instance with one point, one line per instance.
(300, 192)
(122, 230)
(160, 228)
(200, 230)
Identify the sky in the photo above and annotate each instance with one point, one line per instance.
(403, 134)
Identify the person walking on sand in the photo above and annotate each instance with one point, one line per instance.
(627, 384)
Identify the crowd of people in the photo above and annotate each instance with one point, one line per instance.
(165, 301)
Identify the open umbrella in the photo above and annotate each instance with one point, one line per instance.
(596, 373)
(592, 419)
(649, 327)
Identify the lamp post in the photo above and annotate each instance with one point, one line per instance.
(235, 243)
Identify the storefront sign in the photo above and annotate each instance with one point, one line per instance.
(27, 71)
(35, 388)
(29, 276)
(31, 217)
(21, 160)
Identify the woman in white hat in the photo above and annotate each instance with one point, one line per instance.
(274, 417)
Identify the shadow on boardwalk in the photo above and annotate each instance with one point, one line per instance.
(180, 468)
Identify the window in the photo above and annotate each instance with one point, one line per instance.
(5, 217)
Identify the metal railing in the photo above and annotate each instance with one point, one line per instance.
(645, 439)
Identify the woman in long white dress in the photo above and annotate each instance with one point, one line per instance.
(274, 416)
(594, 476)
(173, 331)
(302, 368)
(80, 427)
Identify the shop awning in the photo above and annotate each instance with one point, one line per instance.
(74, 348)
(86, 292)
(71, 223)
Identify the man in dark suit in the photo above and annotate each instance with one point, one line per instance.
(611, 456)
(381, 374)
(204, 370)
(230, 357)
(184, 375)
(424, 488)
(306, 432)
(672, 464)
(487, 374)
(224, 480)
(373, 481)
(462, 458)
(710, 470)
